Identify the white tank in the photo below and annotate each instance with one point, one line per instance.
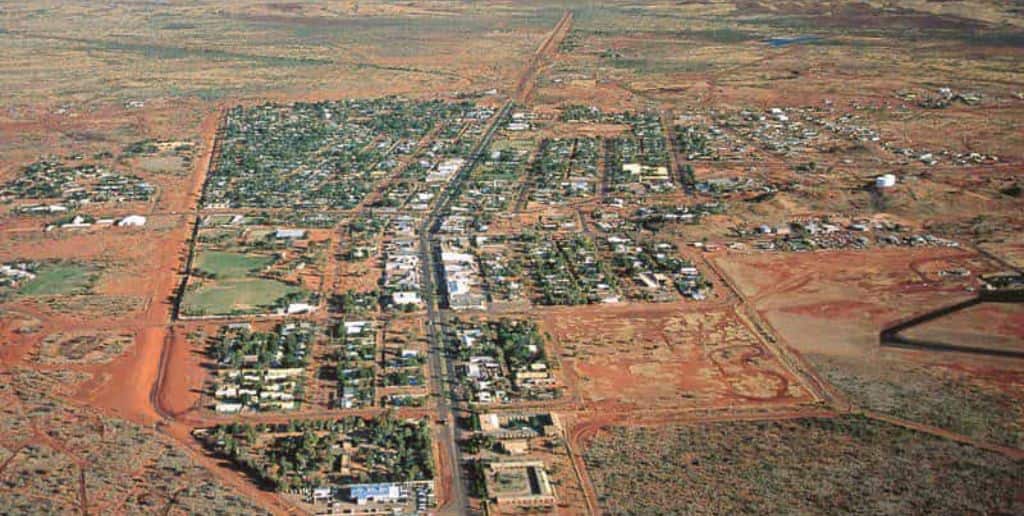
(885, 181)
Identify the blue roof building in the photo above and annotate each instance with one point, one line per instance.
(380, 493)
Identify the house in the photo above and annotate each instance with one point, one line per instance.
(322, 494)
(77, 222)
(290, 234)
(406, 298)
(229, 408)
(132, 221)
(299, 308)
(356, 327)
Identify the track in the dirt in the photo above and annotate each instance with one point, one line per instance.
(14, 454)
(82, 500)
(723, 359)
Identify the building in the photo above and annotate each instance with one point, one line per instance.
(356, 327)
(520, 425)
(363, 494)
(300, 308)
(322, 494)
(885, 181)
(229, 408)
(290, 234)
(132, 221)
(645, 172)
(445, 170)
(77, 222)
(519, 484)
(489, 423)
(406, 298)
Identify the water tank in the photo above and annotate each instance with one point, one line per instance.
(885, 181)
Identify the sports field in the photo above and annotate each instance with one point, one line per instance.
(235, 296)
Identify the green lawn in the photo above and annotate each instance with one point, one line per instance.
(227, 297)
(57, 279)
(226, 265)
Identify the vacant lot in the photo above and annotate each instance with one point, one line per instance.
(804, 466)
(83, 347)
(977, 402)
(659, 356)
(830, 307)
(59, 453)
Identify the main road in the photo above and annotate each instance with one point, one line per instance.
(442, 369)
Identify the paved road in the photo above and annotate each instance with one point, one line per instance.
(442, 370)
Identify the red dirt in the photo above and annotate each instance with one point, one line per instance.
(692, 359)
(126, 385)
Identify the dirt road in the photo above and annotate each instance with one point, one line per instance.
(528, 79)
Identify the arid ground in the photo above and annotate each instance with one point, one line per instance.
(764, 388)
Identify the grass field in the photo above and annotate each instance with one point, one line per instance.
(808, 466)
(226, 265)
(60, 279)
(235, 296)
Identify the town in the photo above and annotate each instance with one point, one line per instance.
(496, 258)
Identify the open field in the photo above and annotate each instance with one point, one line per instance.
(853, 293)
(830, 307)
(847, 464)
(231, 265)
(261, 49)
(663, 358)
(251, 270)
(59, 279)
(238, 296)
(86, 347)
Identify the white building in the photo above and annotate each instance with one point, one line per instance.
(290, 234)
(885, 181)
(132, 221)
(406, 298)
(300, 308)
